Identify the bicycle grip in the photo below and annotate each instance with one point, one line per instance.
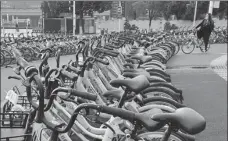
(85, 95)
(102, 61)
(125, 114)
(14, 77)
(69, 75)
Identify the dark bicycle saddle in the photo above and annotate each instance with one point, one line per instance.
(187, 119)
(136, 84)
(135, 74)
(142, 59)
(114, 93)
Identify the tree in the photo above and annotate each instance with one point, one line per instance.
(155, 8)
(129, 10)
(139, 8)
(221, 12)
(53, 8)
(88, 7)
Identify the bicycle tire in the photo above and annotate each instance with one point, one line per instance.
(187, 44)
(159, 71)
(2, 59)
(36, 52)
(149, 136)
(159, 94)
(27, 54)
(7, 56)
(177, 46)
(34, 58)
(160, 91)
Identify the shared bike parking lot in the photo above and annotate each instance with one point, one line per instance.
(124, 80)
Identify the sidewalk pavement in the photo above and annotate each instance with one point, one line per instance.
(197, 58)
(219, 65)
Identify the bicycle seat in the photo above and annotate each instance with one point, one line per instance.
(145, 119)
(114, 93)
(142, 59)
(135, 74)
(187, 119)
(136, 84)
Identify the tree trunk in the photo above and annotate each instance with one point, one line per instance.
(81, 29)
(150, 18)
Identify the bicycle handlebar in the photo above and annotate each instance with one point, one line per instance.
(101, 108)
(14, 77)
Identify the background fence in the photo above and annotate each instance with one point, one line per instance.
(111, 25)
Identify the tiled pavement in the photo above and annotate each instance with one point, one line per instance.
(219, 66)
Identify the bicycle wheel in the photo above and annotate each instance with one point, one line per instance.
(2, 59)
(177, 46)
(27, 54)
(7, 56)
(188, 47)
(157, 136)
(36, 51)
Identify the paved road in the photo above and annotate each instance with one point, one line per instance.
(203, 90)
(206, 92)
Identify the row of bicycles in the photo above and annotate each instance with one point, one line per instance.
(31, 45)
(219, 35)
(187, 39)
(116, 89)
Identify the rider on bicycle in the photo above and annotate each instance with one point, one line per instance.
(206, 27)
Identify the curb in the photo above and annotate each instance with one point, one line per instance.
(219, 66)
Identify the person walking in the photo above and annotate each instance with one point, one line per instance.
(17, 27)
(206, 27)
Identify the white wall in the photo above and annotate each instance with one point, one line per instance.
(113, 25)
(13, 31)
(155, 24)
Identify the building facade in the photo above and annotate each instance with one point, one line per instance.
(21, 12)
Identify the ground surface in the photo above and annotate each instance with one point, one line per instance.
(203, 89)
